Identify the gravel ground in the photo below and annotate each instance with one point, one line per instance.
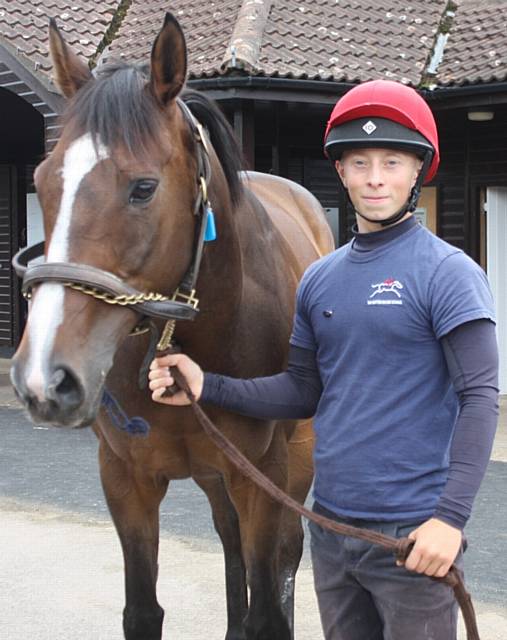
(61, 571)
(62, 577)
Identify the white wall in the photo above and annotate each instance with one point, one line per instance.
(497, 268)
(34, 228)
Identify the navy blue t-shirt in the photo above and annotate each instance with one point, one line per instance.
(387, 412)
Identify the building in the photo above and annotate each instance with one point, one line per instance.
(277, 68)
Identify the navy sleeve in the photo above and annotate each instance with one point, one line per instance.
(459, 293)
(472, 359)
(302, 330)
(295, 393)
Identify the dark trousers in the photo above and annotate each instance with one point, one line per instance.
(363, 595)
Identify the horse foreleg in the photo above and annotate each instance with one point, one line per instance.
(300, 467)
(291, 550)
(135, 512)
(226, 524)
(260, 522)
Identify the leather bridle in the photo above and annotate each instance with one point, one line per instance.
(108, 287)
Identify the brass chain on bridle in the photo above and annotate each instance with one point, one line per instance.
(129, 300)
(124, 300)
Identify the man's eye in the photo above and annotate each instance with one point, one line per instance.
(143, 191)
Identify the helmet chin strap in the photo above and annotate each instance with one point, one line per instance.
(409, 206)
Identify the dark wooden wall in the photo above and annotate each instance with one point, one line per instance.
(22, 134)
(473, 156)
(286, 139)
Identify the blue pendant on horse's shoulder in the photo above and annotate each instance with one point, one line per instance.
(211, 231)
(135, 426)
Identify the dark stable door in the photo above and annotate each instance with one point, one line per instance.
(7, 215)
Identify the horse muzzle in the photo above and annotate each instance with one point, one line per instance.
(58, 398)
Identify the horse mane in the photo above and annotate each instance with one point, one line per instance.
(221, 135)
(117, 109)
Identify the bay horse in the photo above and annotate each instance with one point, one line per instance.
(118, 195)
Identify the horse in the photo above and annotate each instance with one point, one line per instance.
(123, 195)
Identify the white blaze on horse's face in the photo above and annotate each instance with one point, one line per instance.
(80, 158)
(46, 311)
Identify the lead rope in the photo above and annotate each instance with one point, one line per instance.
(400, 546)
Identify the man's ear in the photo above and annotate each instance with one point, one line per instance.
(339, 170)
(418, 166)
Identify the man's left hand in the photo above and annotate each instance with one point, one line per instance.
(436, 546)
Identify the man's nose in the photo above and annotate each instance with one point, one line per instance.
(375, 177)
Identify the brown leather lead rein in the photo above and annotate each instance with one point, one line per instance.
(401, 546)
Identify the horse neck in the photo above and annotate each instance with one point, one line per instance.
(220, 280)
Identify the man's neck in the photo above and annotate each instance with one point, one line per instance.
(364, 226)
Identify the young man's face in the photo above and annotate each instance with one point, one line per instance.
(379, 182)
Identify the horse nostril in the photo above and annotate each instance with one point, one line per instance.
(64, 389)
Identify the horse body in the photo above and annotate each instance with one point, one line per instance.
(268, 232)
(262, 290)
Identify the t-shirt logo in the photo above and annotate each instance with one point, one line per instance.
(385, 290)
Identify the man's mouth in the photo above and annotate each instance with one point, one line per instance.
(374, 198)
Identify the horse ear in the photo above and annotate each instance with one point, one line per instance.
(70, 71)
(168, 61)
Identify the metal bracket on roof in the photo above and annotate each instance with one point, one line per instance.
(246, 40)
(446, 23)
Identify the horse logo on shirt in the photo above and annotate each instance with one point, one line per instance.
(390, 285)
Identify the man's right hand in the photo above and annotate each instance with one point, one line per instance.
(160, 378)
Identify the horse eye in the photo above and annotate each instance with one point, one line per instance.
(143, 191)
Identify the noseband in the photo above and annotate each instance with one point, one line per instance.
(109, 288)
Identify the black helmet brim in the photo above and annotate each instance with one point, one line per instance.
(375, 132)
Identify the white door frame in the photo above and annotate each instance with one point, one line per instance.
(496, 199)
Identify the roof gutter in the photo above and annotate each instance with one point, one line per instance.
(268, 82)
(442, 93)
(330, 88)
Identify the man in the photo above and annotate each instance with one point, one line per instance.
(394, 351)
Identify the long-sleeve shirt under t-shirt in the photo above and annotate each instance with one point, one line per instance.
(405, 403)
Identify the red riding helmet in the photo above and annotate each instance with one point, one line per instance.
(383, 113)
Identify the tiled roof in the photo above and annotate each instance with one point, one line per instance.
(476, 51)
(207, 26)
(24, 27)
(350, 40)
(321, 39)
(340, 40)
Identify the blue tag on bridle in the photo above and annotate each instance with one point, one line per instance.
(211, 231)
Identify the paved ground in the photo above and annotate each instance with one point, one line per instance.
(61, 573)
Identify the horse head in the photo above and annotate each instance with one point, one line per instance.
(118, 194)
